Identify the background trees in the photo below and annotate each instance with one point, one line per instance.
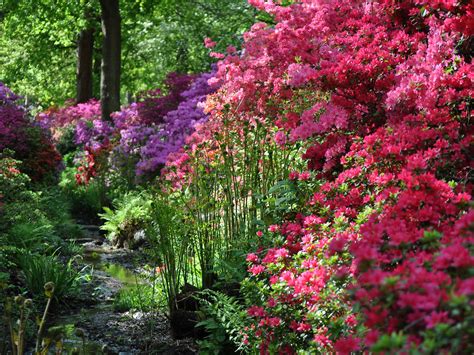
(111, 57)
(51, 50)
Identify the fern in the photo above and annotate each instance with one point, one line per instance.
(130, 212)
(224, 318)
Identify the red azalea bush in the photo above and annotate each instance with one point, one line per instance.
(30, 143)
(379, 92)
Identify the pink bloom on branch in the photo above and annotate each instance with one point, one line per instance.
(337, 244)
(346, 345)
(231, 50)
(435, 318)
(253, 258)
(271, 302)
(256, 311)
(305, 175)
(209, 43)
(256, 269)
(322, 339)
(312, 221)
(466, 287)
(280, 138)
(274, 321)
(217, 55)
(293, 175)
(300, 74)
(300, 326)
(281, 253)
(274, 228)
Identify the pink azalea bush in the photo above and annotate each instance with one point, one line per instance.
(379, 254)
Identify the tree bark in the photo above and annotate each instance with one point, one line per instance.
(111, 61)
(85, 50)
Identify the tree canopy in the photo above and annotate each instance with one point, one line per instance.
(39, 39)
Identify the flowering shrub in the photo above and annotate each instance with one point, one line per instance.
(155, 126)
(379, 256)
(12, 181)
(83, 118)
(153, 105)
(141, 135)
(29, 142)
(177, 126)
(13, 122)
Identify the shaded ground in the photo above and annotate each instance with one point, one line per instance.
(106, 330)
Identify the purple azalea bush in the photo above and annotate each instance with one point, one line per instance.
(13, 122)
(177, 125)
(93, 134)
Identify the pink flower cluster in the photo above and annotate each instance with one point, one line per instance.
(380, 94)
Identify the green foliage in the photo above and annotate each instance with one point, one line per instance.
(223, 319)
(34, 224)
(57, 207)
(33, 235)
(12, 184)
(231, 269)
(390, 342)
(37, 49)
(38, 41)
(65, 144)
(40, 269)
(37, 225)
(169, 37)
(35, 220)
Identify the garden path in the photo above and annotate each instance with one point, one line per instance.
(92, 324)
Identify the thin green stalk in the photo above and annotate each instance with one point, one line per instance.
(49, 291)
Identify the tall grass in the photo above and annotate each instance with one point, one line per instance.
(171, 243)
(38, 270)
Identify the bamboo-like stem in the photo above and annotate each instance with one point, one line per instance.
(21, 330)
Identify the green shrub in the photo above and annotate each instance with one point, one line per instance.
(34, 236)
(57, 208)
(66, 143)
(40, 269)
(38, 222)
(86, 200)
(171, 248)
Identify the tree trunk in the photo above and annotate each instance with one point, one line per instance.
(110, 76)
(85, 50)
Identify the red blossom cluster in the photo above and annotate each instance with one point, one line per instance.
(87, 169)
(380, 93)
